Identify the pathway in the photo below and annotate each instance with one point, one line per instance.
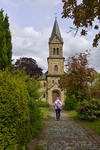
(66, 135)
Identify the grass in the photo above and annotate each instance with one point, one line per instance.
(94, 125)
(43, 110)
(72, 114)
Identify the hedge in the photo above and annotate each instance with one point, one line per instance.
(43, 104)
(20, 116)
(36, 118)
(14, 112)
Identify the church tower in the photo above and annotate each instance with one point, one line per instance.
(55, 65)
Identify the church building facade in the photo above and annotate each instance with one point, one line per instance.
(50, 80)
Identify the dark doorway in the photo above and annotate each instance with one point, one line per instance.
(55, 94)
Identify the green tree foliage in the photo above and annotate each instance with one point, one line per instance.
(35, 115)
(43, 104)
(14, 112)
(85, 15)
(35, 118)
(95, 87)
(70, 102)
(30, 65)
(20, 116)
(89, 110)
(32, 86)
(78, 76)
(5, 42)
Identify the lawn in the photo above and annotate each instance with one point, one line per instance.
(43, 110)
(94, 125)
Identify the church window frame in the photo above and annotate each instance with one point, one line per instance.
(54, 51)
(58, 81)
(44, 95)
(53, 81)
(56, 68)
(57, 51)
(44, 84)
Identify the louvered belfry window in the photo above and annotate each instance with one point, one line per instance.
(55, 68)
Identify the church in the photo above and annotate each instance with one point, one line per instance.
(50, 80)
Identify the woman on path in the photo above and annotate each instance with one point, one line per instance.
(58, 107)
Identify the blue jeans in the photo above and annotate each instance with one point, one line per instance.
(58, 113)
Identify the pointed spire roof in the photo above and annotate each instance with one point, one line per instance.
(56, 31)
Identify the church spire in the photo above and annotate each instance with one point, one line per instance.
(55, 32)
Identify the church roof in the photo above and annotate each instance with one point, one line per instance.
(56, 31)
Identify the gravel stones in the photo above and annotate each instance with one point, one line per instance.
(65, 134)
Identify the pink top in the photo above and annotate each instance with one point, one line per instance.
(56, 103)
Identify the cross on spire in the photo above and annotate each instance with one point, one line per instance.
(56, 15)
(55, 31)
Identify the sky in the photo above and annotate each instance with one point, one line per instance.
(31, 24)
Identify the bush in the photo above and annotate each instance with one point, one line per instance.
(35, 114)
(14, 112)
(70, 102)
(89, 110)
(43, 104)
(20, 116)
(35, 118)
(32, 86)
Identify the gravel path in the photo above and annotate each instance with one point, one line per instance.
(65, 134)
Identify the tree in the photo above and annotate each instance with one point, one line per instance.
(20, 115)
(30, 65)
(95, 87)
(5, 42)
(84, 15)
(79, 76)
(14, 112)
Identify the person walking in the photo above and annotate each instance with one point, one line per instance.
(58, 107)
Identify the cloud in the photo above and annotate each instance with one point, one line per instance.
(16, 3)
(74, 45)
(94, 59)
(51, 2)
(12, 3)
(78, 45)
(5, 1)
(28, 42)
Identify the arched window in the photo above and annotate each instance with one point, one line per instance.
(44, 84)
(54, 51)
(57, 51)
(53, 81)
(55, 68)
(44, 95)
(58, 81)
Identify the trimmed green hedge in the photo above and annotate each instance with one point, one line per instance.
(43, 104)
(20, 116)
(89, 110)
(36, 118)
(14, 112)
